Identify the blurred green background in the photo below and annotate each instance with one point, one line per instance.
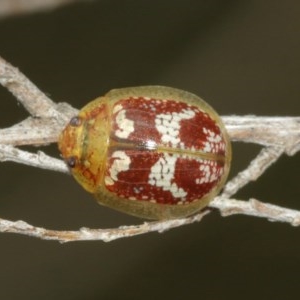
(243, 57)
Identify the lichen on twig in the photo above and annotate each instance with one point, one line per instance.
(276, 135)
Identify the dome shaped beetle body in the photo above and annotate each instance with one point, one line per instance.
(154, 152)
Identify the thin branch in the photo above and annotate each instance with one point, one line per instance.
(87, 234)
(256, 168)
(37, 131)
(282, 132)
(276, 135)
(227, 207)
(255, 208)
(39, 160)
(32, 131)
(34, 101)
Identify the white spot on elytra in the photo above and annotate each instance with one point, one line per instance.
(207, 147)
(210, 172)
(162, 173)
(213, 142)
(120, 163)
(126, 126)
(168, 125)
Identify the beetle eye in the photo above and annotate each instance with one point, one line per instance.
(71, 161)
(75, 121)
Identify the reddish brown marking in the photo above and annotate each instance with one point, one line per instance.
(188, 171)
(139, 111)
(191, 131)
(134, 182)
(136, 178)
(143, 113)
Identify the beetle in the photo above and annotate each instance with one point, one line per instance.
(154, 152)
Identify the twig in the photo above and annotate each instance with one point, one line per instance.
(227, 207)
(39, 160)
(267, 131)
(257, 167)
(87, 234)
(36, 131)
(256, 208)
(23, 89)
(277, 135)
